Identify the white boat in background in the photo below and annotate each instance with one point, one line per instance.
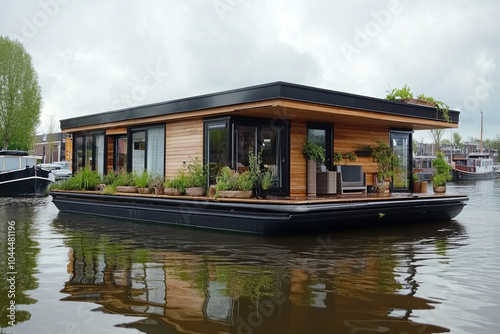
(475, 166)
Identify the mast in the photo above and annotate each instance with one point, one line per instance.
(481, 145)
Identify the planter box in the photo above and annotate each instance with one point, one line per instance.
(235, 193)
(364, 153)
(126, 189)
(195, 191)
(144, 190)
(158, 190)
(172, 192)
(326, 183)
(419, 102)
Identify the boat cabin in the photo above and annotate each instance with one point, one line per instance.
(275, 119)
(15, 160)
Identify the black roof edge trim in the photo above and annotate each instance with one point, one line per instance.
(263, 92)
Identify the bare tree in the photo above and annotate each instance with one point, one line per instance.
(51, 127)
(437, 135)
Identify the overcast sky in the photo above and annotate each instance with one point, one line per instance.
(94, 56)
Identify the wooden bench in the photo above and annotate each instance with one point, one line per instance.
(350, 178)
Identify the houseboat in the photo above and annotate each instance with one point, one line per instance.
(474, 166)
(20, 175)
(275, 120)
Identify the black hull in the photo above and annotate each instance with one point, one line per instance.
(263, 218)
(464, 176)
(24, 182)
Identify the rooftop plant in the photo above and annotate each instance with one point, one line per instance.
(397, 94)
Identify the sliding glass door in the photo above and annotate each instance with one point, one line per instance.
(401, 143)
(229, 141)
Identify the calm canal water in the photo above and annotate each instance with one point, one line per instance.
(80, 274)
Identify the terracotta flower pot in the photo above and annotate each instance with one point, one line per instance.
(158, 190)
(235, 193)
(439, 189)
(172, 192)
(126, 189)
(144, 190)
(417, 185)
(195, 191)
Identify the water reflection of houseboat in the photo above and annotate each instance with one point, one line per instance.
(222, 129)
(247, 284)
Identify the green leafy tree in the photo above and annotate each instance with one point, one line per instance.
(20, 96)
(457, 139)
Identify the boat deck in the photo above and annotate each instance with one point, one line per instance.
(334, 198)
(266, 216)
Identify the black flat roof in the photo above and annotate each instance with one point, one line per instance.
(270, 91)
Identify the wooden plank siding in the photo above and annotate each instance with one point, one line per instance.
(184, 142)
(347, 138)
(110, 154)
(298, 133)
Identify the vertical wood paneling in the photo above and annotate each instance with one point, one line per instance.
(184, 142)
(298, 133)
(347, 138)
(110, 152)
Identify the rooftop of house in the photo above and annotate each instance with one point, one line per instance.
(259, 93)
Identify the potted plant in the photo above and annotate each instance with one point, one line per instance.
(157, 185)
(196, 178)
(142, 181)
(230, 183)
(416, 183)
(364, 151)
(266, 182)
(315, 156)
(351, 156)
(442, 173)
(387, 162)
(125, 183)
(175, 186)
(337, 157)
(314, 152)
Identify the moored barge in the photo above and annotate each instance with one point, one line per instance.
(275, 120)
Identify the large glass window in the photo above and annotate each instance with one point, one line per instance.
(232, 148)
(245, 140)
(216, 147)
(401, 145)
(156, 151)
(89, 151)
(321, 135)
(99, 153)
(121, 153)
(138, 151)
(79, 152)
(148, 150)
